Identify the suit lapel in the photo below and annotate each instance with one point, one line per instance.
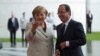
(68, 27)
(42, 32)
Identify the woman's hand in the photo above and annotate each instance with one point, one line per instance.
(29, 37)
(35, 25)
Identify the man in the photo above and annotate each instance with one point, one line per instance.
(13, 27)
(31, 19)
(71, 37)
(50, 20)
(89, 18)
(23, 26)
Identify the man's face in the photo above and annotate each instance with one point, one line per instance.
(63, 14)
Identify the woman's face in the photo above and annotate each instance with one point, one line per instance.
(40, 16)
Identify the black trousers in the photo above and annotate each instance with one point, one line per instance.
(24, 41)
(89, 30)
(13, 38)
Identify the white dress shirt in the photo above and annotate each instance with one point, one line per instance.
(66, 25)
(23, 23)
(13, 21)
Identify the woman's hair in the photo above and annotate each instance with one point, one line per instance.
(38, 9)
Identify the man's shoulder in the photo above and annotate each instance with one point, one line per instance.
(9, 19)
(74, 22)
(58, 26)
(16, 18)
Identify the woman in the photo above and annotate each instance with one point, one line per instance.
(39, 34)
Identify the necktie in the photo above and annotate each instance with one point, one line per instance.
(63, 28)
(62, 32)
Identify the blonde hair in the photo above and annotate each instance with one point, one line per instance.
(38, 9)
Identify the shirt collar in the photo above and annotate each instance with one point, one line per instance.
(67, 22)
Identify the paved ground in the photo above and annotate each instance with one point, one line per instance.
(90, 49)
(13, 51)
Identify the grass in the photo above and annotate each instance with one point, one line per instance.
(93, 36)
(90, 37)
(8, 39)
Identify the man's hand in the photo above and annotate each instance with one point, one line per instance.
(64, 44)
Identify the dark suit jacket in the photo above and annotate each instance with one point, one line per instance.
(89, 19)
(10, 25)
(76, 37)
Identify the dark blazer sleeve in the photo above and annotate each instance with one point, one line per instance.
(17, 24)
(8, 25)
(58, 37)
(92, 17)
(79, 35)
(57, 44)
